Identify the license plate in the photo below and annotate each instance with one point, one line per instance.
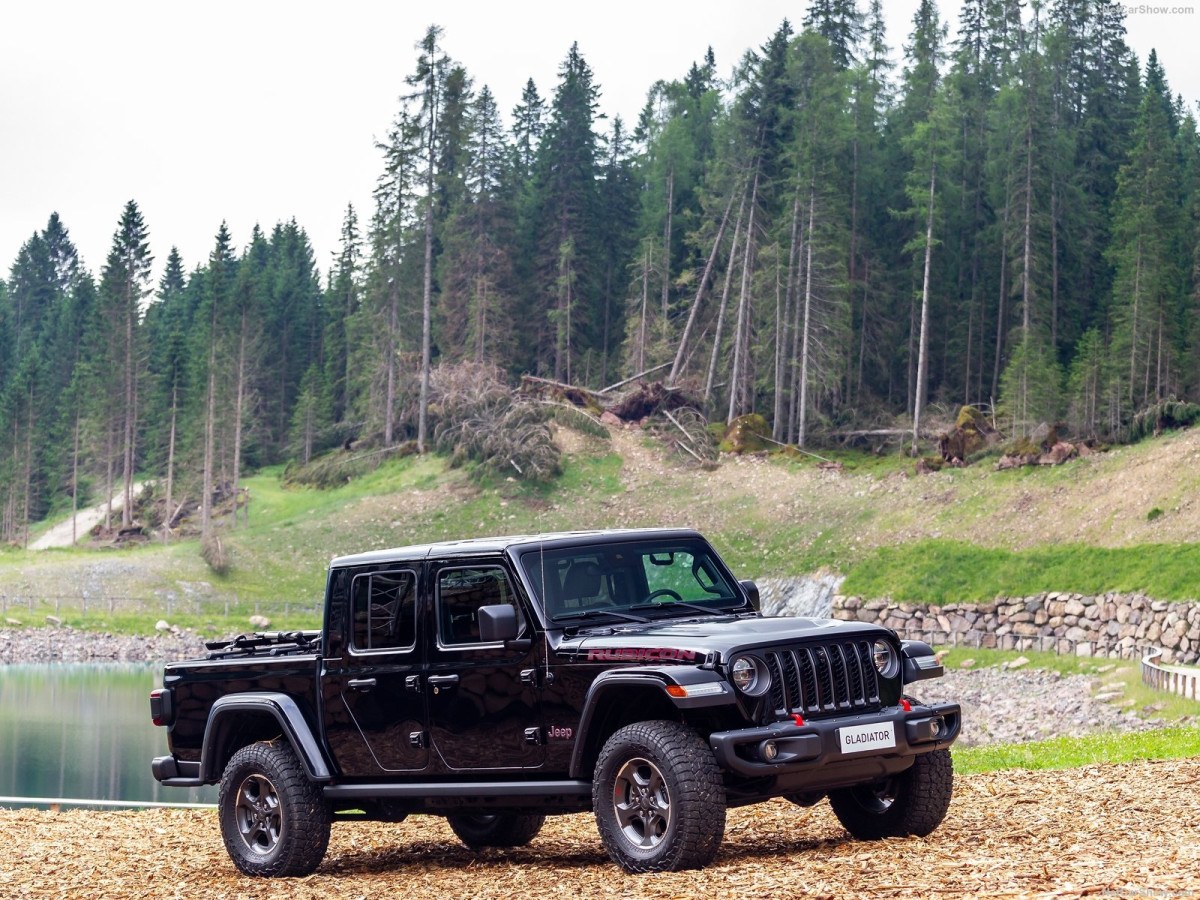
(860, 738)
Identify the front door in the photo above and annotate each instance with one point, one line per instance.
(483, 698)
(374, 695)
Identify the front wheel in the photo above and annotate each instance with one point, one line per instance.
(913, 802)
(659, 798)
(497, 829)
(274, 821)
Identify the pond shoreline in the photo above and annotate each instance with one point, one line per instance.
(48, 644)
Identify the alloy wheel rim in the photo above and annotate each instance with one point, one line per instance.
(642, 803)
(259, 815)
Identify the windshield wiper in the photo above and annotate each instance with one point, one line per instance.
(595, 613)
(707, 610)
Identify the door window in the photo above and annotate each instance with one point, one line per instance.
(385, 611)
(460, 594)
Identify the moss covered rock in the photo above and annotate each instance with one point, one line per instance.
(747, 434)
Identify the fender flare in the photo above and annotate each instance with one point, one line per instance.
(659, 677)
(284, 710)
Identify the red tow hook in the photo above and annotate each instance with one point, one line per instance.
(799, 719)
(905, 705)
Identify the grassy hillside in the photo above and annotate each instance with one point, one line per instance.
(967, 534)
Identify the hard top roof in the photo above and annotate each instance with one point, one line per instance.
(494, 546)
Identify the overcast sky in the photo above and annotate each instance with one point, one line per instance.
(260, 111)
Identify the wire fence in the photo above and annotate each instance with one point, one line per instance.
(169, 604)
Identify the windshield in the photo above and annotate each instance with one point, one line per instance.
(676, 577)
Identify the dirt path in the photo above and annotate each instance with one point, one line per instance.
(64, 535)
(1101, 831)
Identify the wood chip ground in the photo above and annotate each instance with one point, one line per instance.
(1101, 831)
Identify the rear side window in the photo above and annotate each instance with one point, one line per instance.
(385, 611)
(460, 594)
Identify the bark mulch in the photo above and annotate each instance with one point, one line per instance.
(1101, 831)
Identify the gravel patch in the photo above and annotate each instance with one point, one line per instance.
(70, 645)
(1003, 706)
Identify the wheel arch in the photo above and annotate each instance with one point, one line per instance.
(615, 699)
(237, 720)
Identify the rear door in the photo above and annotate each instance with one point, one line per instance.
(484, 710)
(375, 698)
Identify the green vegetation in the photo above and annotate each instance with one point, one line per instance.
(1072, 752)
(759, 240)
(946, 571)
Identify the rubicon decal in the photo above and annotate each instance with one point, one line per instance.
(641, 654)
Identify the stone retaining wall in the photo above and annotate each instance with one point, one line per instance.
(1116, 625)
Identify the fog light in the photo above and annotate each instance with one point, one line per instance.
(769, 751)
(935, 727)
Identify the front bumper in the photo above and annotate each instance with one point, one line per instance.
(816, 745)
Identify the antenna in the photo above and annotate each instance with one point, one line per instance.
(545, 610)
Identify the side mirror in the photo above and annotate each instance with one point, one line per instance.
(751, 590)
(497, 623)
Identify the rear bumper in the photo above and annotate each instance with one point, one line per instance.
(816, 747)
(173, 772)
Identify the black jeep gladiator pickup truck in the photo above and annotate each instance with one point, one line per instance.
(496, 681)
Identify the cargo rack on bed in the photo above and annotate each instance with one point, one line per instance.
(265, 643)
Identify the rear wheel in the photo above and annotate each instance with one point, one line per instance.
(913, 802)
(496, 829)
(274, 821)
(659, 798)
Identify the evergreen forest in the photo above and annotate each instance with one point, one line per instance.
(1007, 216)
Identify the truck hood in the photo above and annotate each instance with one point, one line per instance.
(691, 639)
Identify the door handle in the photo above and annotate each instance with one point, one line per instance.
(439, 682)
(361, 684)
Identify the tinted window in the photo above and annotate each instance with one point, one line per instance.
(460, 594)
(616, 576)
(385, 611)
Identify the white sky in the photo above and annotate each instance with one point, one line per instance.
(259, 111)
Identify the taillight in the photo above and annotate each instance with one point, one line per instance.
(161, 708)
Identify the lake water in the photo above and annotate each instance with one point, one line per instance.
(83, 732)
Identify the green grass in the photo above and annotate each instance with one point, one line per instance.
(1073, 752)
(946, 571)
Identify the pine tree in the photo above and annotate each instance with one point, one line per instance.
(475, 269)
(926, 111)
(209, 355)
(841, 24)
(1146, 220)
(124, 285)
(167, 323)
(342, 307)
(431, 79)
(567, 202)
(815, 312)
(390, 278)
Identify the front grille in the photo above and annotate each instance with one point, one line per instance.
(820, 679)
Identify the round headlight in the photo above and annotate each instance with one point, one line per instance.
(750, 676)
(885, 658)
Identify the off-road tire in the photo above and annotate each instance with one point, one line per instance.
(659, 798)
(913, 802)
(496, 829)
(274, 821)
